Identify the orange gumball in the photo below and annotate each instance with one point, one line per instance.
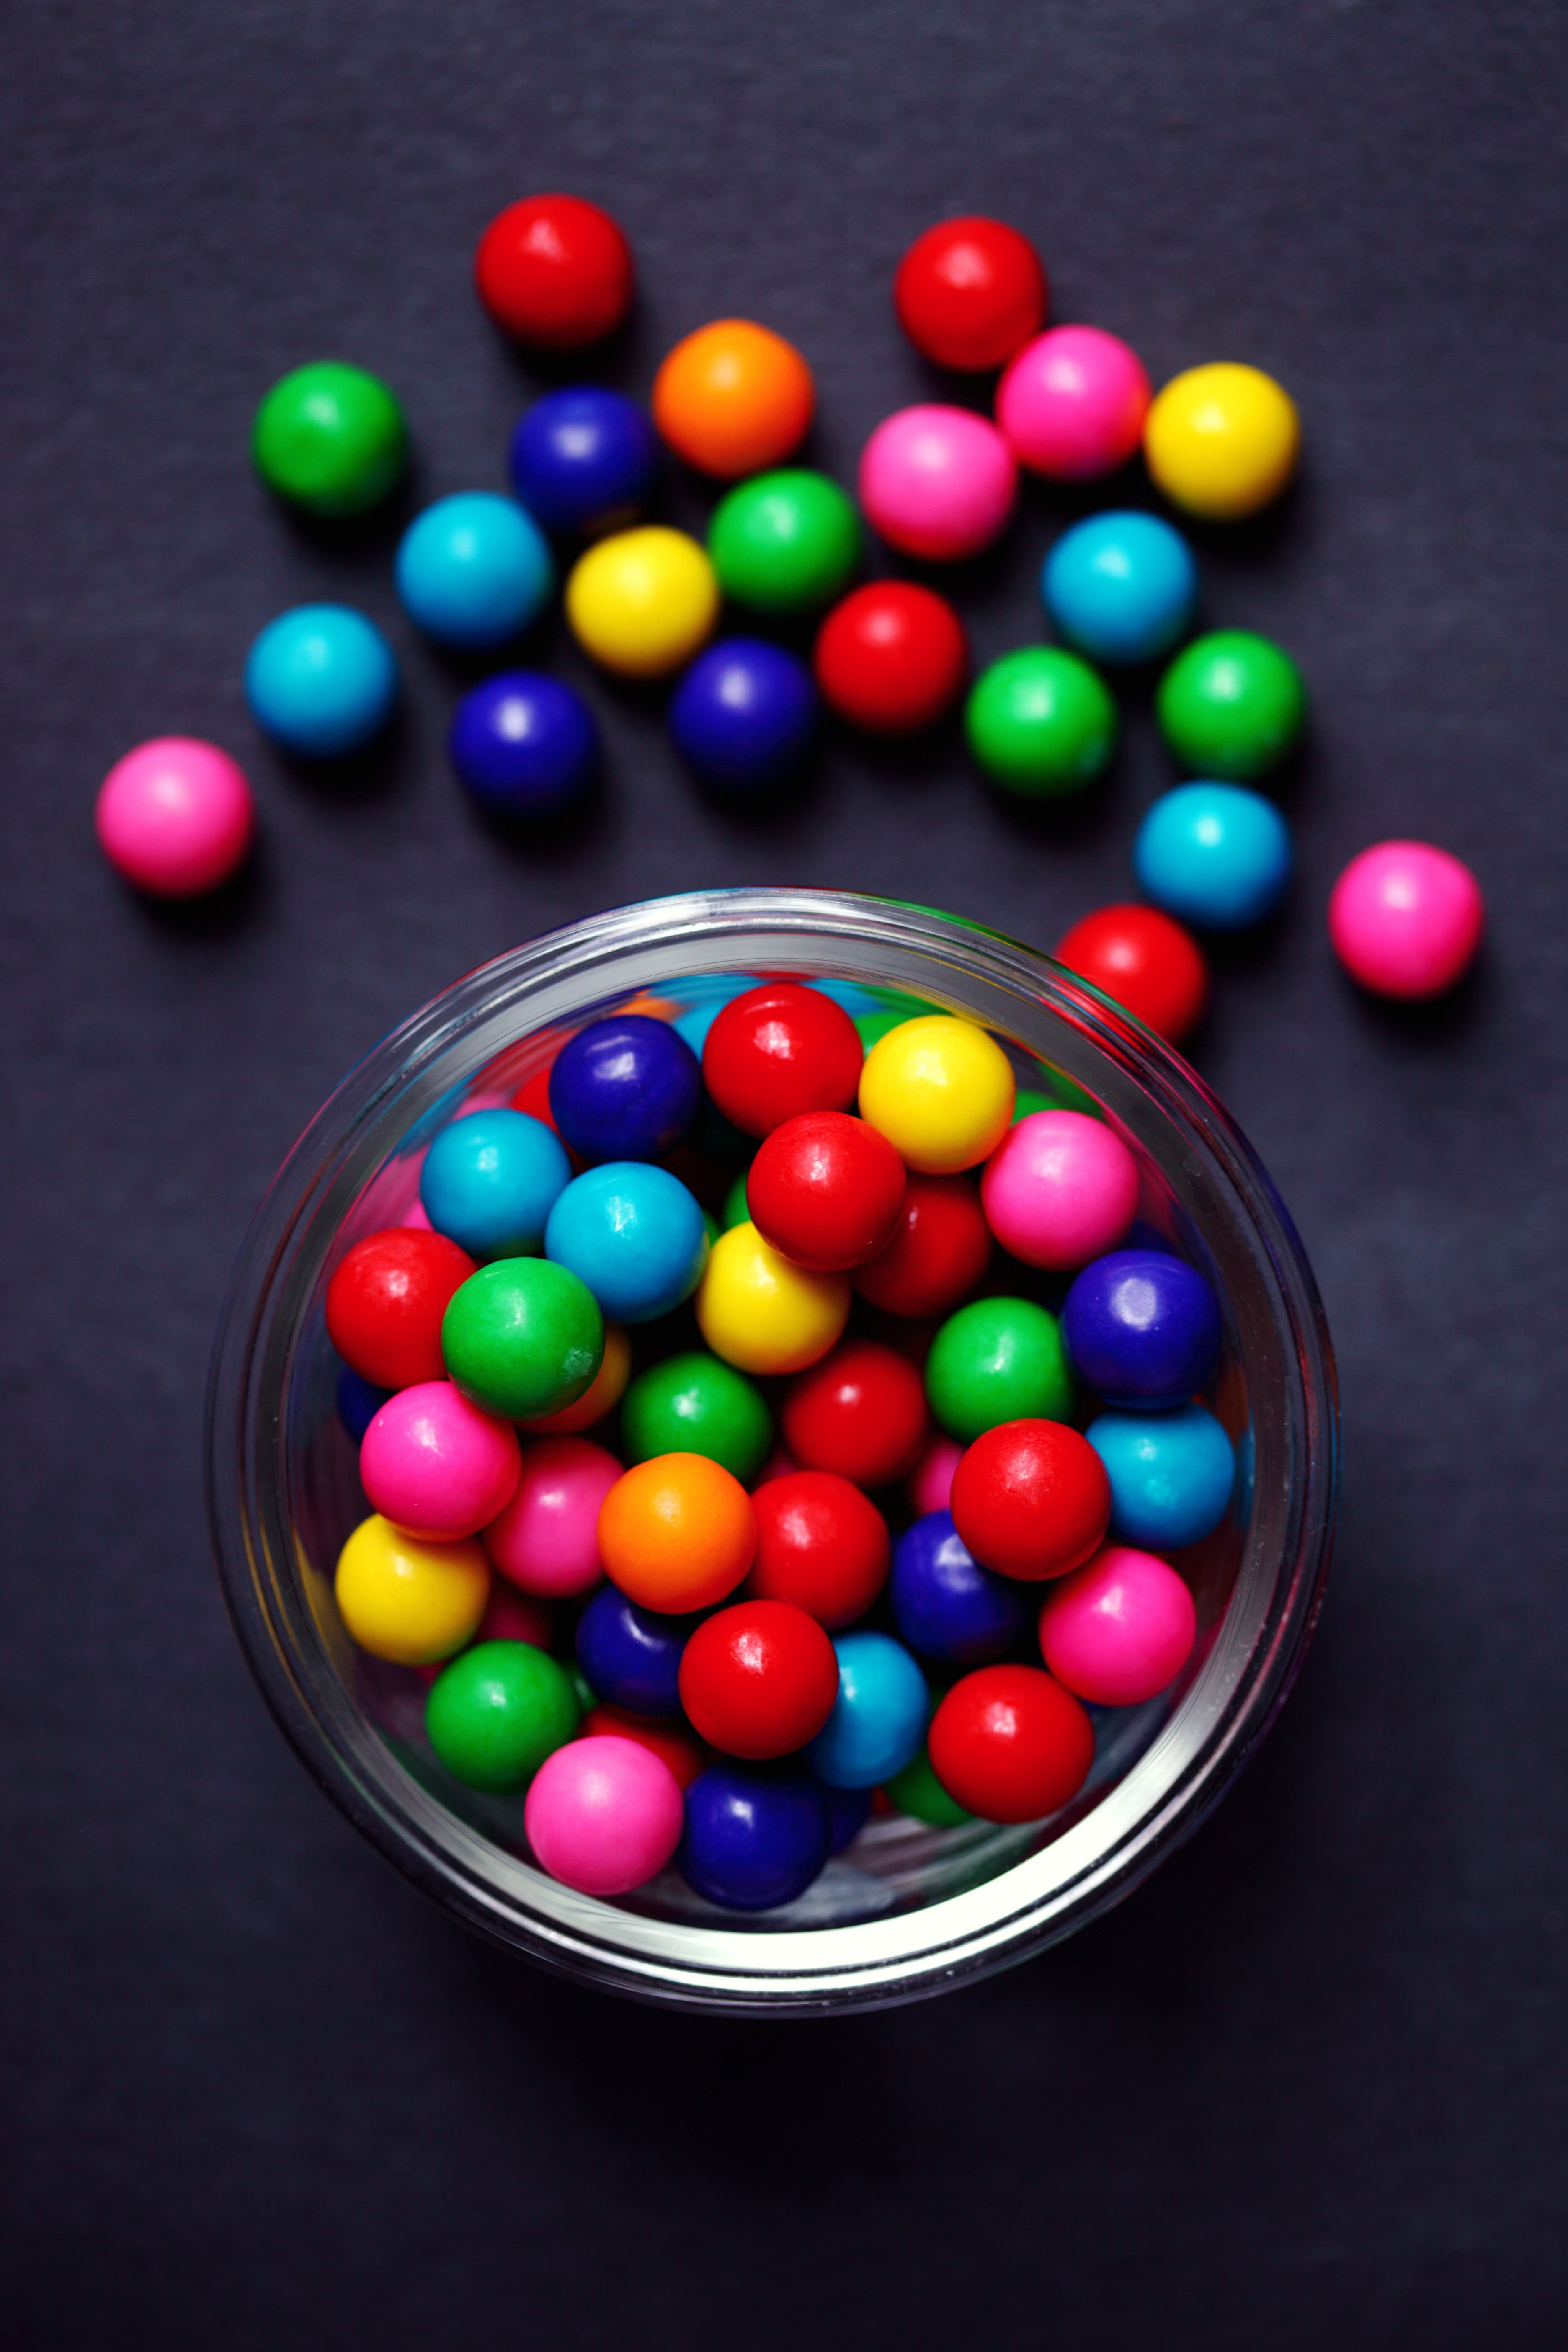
(733, 398)
(677, 1533)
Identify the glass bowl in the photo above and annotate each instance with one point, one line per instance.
(908, 1910)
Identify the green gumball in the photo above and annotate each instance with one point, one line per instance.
(498, 1711)
(523, 1338)
(916, 1791)
(997, 1360)
(1041, 722)
(330, 438)
(695, 1403)
(786, 541)
(1231, 705)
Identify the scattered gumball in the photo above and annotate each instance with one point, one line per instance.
(437, 1466)
(545, 1540)
(1148, 963)
(891, 657)
(1215, 856)
(743, 715)
(696, 1403)
(1142, 1329)
(672, 1743)
(604, 1815)
(1072, 404)
(778, 1051)
(1040, 722)
(1122, 587)
(642, 602)
(941, 1091)
(321, 680)
(1009, 1744)
(330, 439)
(733, 398)
(1120, 1629)
(758, 1679)
(624, 1088)
(763, 1314)
(1405, 919)
(523, 1338)
(408, 1600)
(1231, 705)
(1031, 1500)
(385, 1302)
(998, 1360)
(878, 1717)
(937, 482)
(633, 1234)
(861, 1412)
(490, 1179)
(1060, 1188)
(497, 1712)
(1222, 440)
(631, 1655)
(945, 1604)
(931, 1481)
(826, 1190)
(1171, 1474)
(821, 1545)
(785, 542)
(940, 1250)
(175, 817)
(970, 293)
(524, 745)
(474, 569)
(554, 271)
(753, 1840)
(677, 1533)
(584, 460)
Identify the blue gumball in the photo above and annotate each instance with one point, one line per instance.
(489, 1182)
(743, 715)
(1122, 587)
(1142, 1329)
(321, 680)
(945, 1604)
(584, 460)
(633, 1232)
(524, 744)
(624, 1088)
(848, 1811)
(753, 1840)
(878, 1718)
(473, 570)
(1215, 856)
(1171, 1475)
(359, 1401)
(631, 1657)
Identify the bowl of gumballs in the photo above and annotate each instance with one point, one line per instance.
(774, 1450)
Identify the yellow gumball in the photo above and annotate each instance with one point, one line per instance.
(643, 600)
(941, 1091)
(406, 1600)
(1221, 441)
(763, 1314)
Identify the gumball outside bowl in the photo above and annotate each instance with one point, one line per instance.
(905, 1910)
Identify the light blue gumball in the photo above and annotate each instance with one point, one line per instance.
(1215, 856)
(1171, 1475)
(474, 569)
(878, 1718)
(321, 680)
(489, 1182)
(1122, 587)
(634, 1234)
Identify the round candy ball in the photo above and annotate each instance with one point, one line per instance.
(945, 1604)
(634, 1234)
(1031, 1500)
(175, 816)
(941, 1092)
(359, 1401)
(523, 1338)
(408, 1600)
(743, 715)
(321, 680)
(546, 1538)
(821, 1545)
(554, 271)
(677, 1533)
(785, 542)
(1171, 1474)
(513, 1617)
(385, 1302)
(916, 1790)
(643, 600)
(1148, 963)
(1040, 722)
(778, 1051)
(601, 1396)
(673, 1743)
(891, 657)
(1213, 854)
(624, 1088)
(1009, 1743)
(970, 292)
(473, 570)
(695, 1403)
(1060, 1188)
(436, 1466)
(765, 1315)
(1222, 440)
(1142, 1329)
(1231, 705)
(1072, 404)
(997, 1360)
(631, 1655)
(524, 745)
(758, 1679)
(862, 1411)
(931, 1481)
(497, 1712)
(753, 1839)
(330, 439)
(940, 1250)
(826, 1190)
(1405, 919)
(848, 1811)
(1122, 587)
(1117, 1631)
(937, 482)
(733, 398)
(490, 1181)
(878, 1718)
(584, 460)
(604, 1815)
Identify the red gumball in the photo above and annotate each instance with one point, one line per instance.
(685, 1755)
(825, 1190)
(860, 1412)
(514, 1616)
(1145, 961)
(1031, 1499)
(554, 271)
(385, 1302)
(970, 293)
(940, 1249)
(778, 1050)
(759, 1679)
(821, 1545)
(534, 1096)
(1009, 1743)
(891, 657)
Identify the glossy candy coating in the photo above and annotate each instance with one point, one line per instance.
(1122, 587)
(631, 1655)
(175, 816)
(583, 460)
(937, 482)
(677, 1533)
(891, 657)
(474, 568)
(604, 1815)
(826, 1190)
(1040, 722)
(601, 1396)
(321, 680)
(743, 715)
(753, 1839)
(436, 1466)
(1147, 962)
(695, 1403)
(945, 1604)
(941, 1091)
(1060, 1188)
(878, 1717)
(1231, 705)
(1213, 854)
(523, 1338)
(634, 1234)
(778, 1051)
(546, 1538)
(490, 1179)
(330, 439)
(673, 1743)
(1222, 440)
(1171, 1475)
(786, 541)
(624, 1088)
(524, 745)
(406, 1600)
(1031, 1500)
(385, 1302)
(929, 1486)
(763, 1314)
(733, 398)
(998, 1360)
(497, 1713)
(1120, 1629)
(642, 602)
(1009, 1744)
(758, 1679)
(1072, 404)
(554, 271)
(821, 1545)
(940, 1249)
(861, 1412)
(970, 292)
(1407, 920)
(1142, 1329)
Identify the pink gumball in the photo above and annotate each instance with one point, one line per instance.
(415, 1221)
(777, 1465)
(1060, 1188)
(937, 482)
(175, 816)
(433, 1463)
(483, 1102)
(514, 1616)
(1405, 919)
(1072, 404)
(546, 1541)
(1119, 1630)
(603, 1814)
(931, 1480)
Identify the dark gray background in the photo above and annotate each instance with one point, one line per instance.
(1307, 2087)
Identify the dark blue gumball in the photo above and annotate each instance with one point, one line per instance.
(584, 460)
(848, 1811)
(524, 744)
(359, 1401)
(631, 1657)
(753, 1839)
(744, 714)
(945, 1604)
(1142, 1329)
(627, 1088)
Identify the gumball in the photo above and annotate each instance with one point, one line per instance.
(821, 1545)
(778, 1051)
(584, 460)
(523, 1338)
(1118, 1631)
(633, 1232)
(321, 680)
(996, 1361)
(1010, 1745)
(1405, 919)
(891, 657)
(545, 1540)
(916, 1790)
(826, 1190)
(936, 482)
(737, 1209)
(1151, 966)
(1122, 587)
(931, 1481)
(643, 600)
(753, 1839)
(672, 1743)
(758, 1679)
(1142, 1329)
(848, 1809)
(359, 1401)
(677, 1533)
(601, 1395)
(1040, 722)
(497, 1712)
(945, 1604)
(604, 1815)
(175, 817)
(1072, 404)
(385, 1302)
(1231, 705)
(1215, 856)
(490, 1181)
(473, 570)
(970, 292)
(1222, 440)
(785, 542)
(878, 1718)
(743, 715)
(862, 1411)
(330, 439)
(938, 1252)
(554, 271)
(512, 1616)
(1031, 1500)
(631, 1657)
(695, 1403)
(1060, 1188)
(437, 1466)
(941, 1091)
(733, 398)
(763, 1314)
(407, 1599)
(524, 745)
(624, 1088)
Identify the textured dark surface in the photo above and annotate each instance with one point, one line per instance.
(1306, 2088)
